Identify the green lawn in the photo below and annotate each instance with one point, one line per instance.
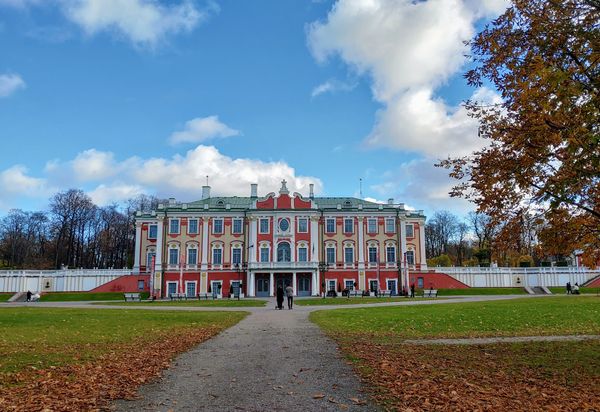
(348, 301)
(530, 316)
(563, 291)
(215, 303)
(44, 337)
(82, 296)
(5, 296)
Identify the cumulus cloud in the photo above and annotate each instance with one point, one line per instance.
(408, 49)
(201, 129)
(332, 86)
(10, 83)
(108, 180)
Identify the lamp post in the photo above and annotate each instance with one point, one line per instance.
(323, 267)
(239, 269)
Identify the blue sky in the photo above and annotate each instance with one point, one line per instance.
(121, 97)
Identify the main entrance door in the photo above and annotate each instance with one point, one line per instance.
(262, 285)
(283, 281)
(304, 285)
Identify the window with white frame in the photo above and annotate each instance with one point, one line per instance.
(331, 284)
(410, 231)
(150, 253)
(348, 255)
(302, 225)
(193, 226)
(330, 255)
(372, 254)
(217, 255)
(410, 257)
(264, 225)
(192, 255)
(302, 254)
(372, 225)
(349, 284)
(390, 226)
(390, 254)
(236, 256)
(174, 226)
(264, 253)
(348, 225)
(284, 252)
(152, 231)
(217, 226)
(173, 255)
(236, 227)
(330, 225)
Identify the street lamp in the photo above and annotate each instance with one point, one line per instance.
(239, 269)
(323, 267)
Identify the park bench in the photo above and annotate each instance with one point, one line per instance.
(355, 293)
(132, 297)
(384, 293)
(431, 293)
(203, 296)
(177, 296)
(331, 294)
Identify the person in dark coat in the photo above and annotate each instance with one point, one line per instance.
(29, 296)
(412, 290)
(569, 289)
(279, 297)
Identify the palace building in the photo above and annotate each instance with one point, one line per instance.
(252, 244)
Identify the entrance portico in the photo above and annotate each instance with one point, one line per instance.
(263, 283)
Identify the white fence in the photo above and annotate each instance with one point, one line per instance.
(69, 280)
(519, 277)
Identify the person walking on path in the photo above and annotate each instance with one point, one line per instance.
(28, 296)
(289, 291)
(412, 290)
(569, 288)
(279, 297)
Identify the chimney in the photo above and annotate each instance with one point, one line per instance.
(311, 193)
(391, 201)
(205, 192)
(253, 190)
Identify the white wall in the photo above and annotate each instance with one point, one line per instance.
(70, 280)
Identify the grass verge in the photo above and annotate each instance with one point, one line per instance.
(479, 291)
(83, 296)
(584, 291)
(349, 301)
(256, 303)
(4, 297)
(108, 353)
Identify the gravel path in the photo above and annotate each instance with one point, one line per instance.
(272, 360)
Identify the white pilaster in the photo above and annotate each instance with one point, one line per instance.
(252, 240)
(402, 238)
(159, 248)
(250, 285)
(138, 246)
(314, 284)
(314, 240)
(361, 244)
(294, 283)
(271, 284)
(422, 245)
(204, 262)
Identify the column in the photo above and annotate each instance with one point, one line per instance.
(294, 283)
(403, 251)
(251, 285)
(314, 284)
(422, 245)
(252, 251)
(204, 261)
(361, 244)
(271, 285)
(314, 239)
(159, 248)
(138, 247)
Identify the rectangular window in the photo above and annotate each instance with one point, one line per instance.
(302, 254)
(348, 255)
(193, 226)
(264, 226)
(349, 284)
(217, 257)
(410, 257)
(264, 254)
(174, 226)
(303, 225)
(217, 226)
(236, 256)
(348, 225)
(330, 225)
(420, 283)
(152, 231)
(171, 287)
(372, 254)
(192, 256)
(373, 285)
(372, 226)
(190, 289)
(140, 285)
(149, 260)
(390, 254)
(237, 226)
(331, 284)
(410, 231)
(330, 251)
(173, 256)
(390, 226)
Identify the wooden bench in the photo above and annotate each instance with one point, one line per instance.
(384, 293)
(203, 296)
(430, 293)
(355, 293)
(177, 296)
(132, 297)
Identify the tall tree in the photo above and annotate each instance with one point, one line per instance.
(543, 56)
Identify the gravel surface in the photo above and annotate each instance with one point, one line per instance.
(272, 360)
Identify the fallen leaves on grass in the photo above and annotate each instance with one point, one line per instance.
(90, 386)
(476, 377)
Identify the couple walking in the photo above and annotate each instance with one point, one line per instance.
(289, 292)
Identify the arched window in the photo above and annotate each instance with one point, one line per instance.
(284, 252)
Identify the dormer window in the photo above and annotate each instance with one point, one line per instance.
(347, 204)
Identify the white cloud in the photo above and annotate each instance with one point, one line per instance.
(10, 83)
(143, 22)
(108, 180)
(201, 129)
(408, 49)
(332, 86)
